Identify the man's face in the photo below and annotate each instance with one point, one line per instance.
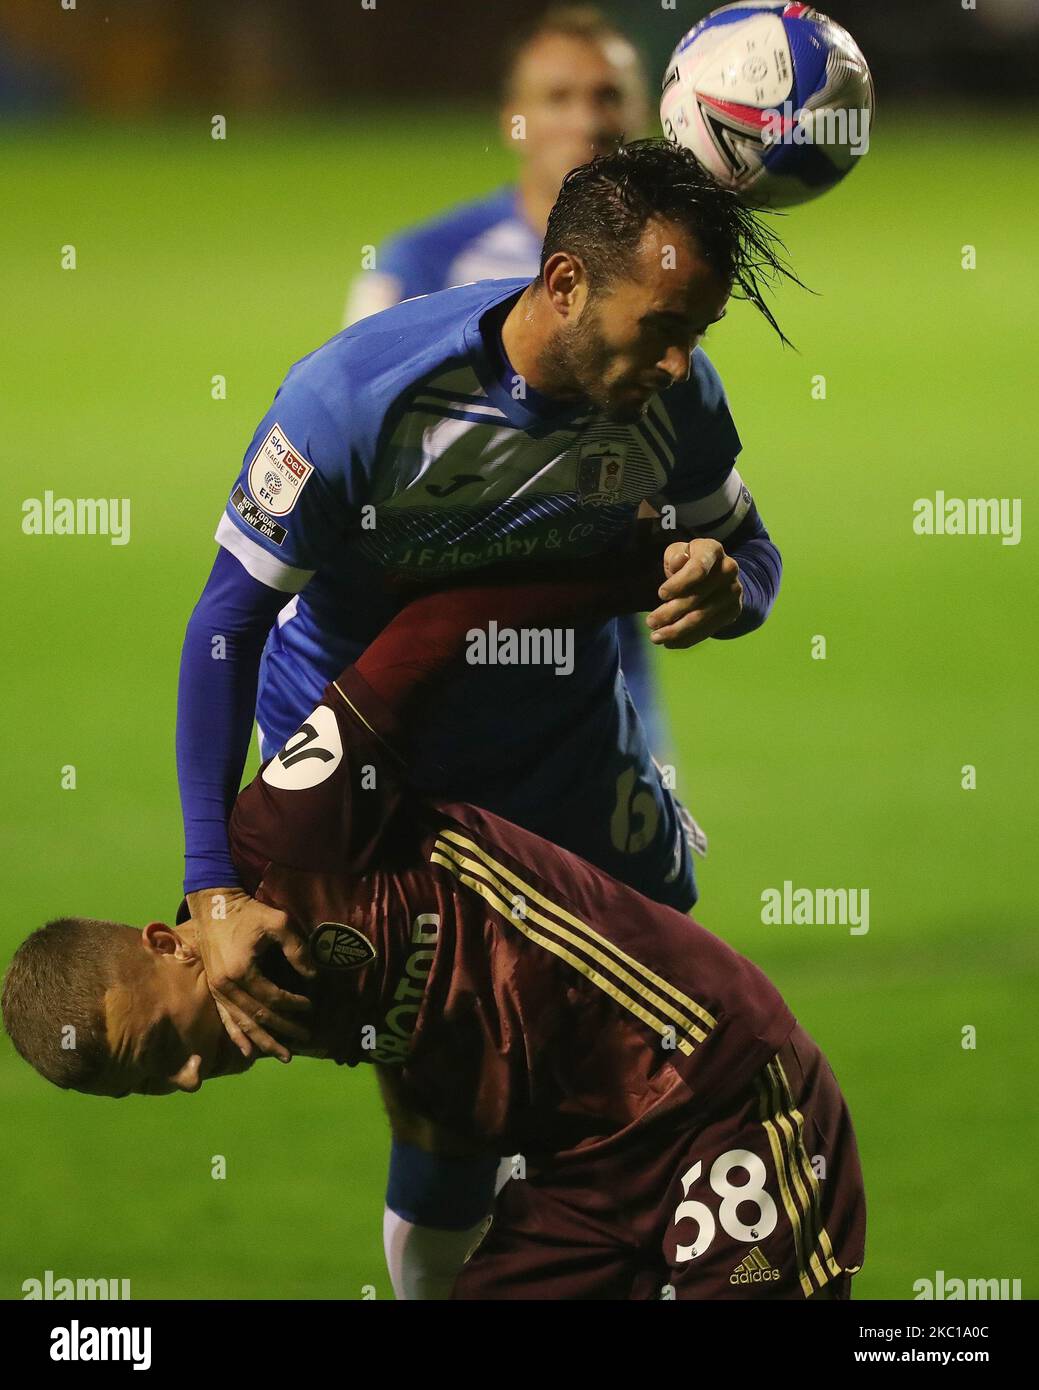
(164, 1032)
(578, 98)
(622, 345)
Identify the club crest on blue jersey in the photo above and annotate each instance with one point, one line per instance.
(600, 471)
(339, 947)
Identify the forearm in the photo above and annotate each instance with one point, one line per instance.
(429, 636)
(375, 701)
(216, 699)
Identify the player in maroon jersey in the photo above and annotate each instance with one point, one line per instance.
(681, 1136)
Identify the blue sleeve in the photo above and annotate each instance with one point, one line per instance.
(698, 444)
(706, 493)
(761, 567)
(407, 257)
(299, 488)
(216, 699)
(450, 1194)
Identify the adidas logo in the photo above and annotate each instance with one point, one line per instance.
(754, 1269)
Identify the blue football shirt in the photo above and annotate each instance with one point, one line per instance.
(490, 239)
(486, 239)
(404, 445)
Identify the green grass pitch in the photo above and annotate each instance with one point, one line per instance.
(197, 258)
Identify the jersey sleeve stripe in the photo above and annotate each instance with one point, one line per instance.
(352, 707)
(656, 450)
(823, 1239)
(649, 427)
(522, 925)
(808, 1203)
(662, 420)
(810, 1219)
(719, 501)
(611, 948)
(474, 415)
(668, 1010)
(459, 398)
(720, 526)
(719, 513)
(784, 1125)
(264, 567)
(789, 1205)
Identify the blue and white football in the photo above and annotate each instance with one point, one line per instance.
(774, 99)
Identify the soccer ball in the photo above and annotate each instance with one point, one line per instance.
(774, 99)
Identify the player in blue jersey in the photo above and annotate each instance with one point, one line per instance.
(495, 424)
(573, 88)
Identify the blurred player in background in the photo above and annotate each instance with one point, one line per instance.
(573, 87)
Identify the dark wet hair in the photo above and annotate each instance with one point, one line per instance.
(603, 207)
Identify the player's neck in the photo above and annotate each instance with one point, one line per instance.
(525, 336)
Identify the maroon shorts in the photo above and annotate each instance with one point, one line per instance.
(762, 1199)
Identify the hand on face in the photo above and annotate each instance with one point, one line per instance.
(231, 939)
(163, 1030)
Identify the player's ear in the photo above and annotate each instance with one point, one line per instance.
(161, 940)
(563, 278)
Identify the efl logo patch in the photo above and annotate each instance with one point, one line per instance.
(600, 471)
(278, 474)
(340, 947)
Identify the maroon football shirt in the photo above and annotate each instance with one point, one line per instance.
(531, 1002)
